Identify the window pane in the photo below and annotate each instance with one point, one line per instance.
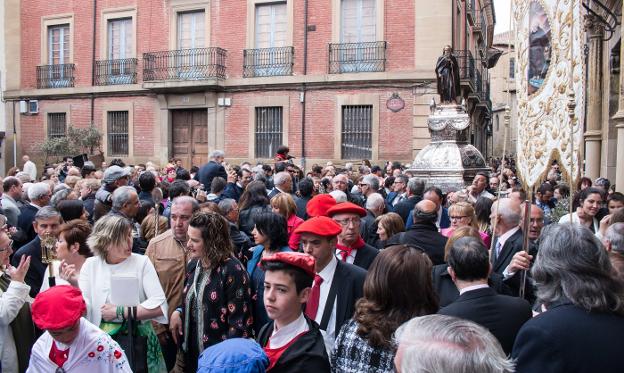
(120, 38)
(358, 21)
(57, 123)
(58, 44)
(191, 30)
(268, 131)
(117, 132)
(357, 131)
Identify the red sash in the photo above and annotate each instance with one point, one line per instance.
(274, 354)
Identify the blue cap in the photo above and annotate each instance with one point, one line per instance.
(233, 355)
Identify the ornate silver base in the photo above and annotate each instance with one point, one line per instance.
(449, 161)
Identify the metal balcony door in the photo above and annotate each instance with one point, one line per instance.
(271, 31)
(190, 136)
(358, 25)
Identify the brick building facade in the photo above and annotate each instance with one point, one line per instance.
(179, 78)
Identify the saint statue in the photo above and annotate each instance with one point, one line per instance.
(447, 73)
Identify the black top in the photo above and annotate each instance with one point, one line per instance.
(405, 207)
(424, 236)
(306, 354)
(34, 276)
(502, 315)
(447, 292)
(209, 171)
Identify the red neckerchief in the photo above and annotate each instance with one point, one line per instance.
(58, 357)
(345, 251)
(274, 354)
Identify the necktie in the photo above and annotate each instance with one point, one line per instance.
(345, 253)
(58, 357)
(498, 248)
(313, 302)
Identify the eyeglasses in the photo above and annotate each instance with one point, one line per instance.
(346, 222)
(457, 217)
(399, 182)
(363, 185)
(3, 249)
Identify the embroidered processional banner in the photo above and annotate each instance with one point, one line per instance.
(544, 36)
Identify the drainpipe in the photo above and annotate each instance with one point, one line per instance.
(93, 62)
(303, 86)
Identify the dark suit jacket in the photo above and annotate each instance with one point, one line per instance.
(425, 236)
(302, 204)
(26, 231)
(34, 276)
(405, 207)
(233, 191)
(209, 171)
(445, 220)
(567, 338)
(501, 314)
(447, 292)
(273, 192)
(364, 257)
(348, 285)
(368, 229)
(391, 196)
(512, 246)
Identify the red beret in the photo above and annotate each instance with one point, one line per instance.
(346, 208)
(319, 205)
(58, 307)
(320, 226)
(301, 260)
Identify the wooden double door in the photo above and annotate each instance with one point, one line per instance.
(190, 136)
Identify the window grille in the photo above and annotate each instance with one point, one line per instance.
(268, 131)
(57, 124)
(117, 133)
(357, 132)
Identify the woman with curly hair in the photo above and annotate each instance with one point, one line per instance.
(397, 288)
(217, 295)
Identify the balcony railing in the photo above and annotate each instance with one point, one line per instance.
(357, 57)
(466, 65)
(479, 84)
(185, 64)
(268, 62)
(479, 24)
(112, 72)
(470, 11)
(55, 76)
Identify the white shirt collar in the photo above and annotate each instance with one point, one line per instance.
(473, 287)
(505, 236)
(327, 273)
(37, 207)
(285, 334)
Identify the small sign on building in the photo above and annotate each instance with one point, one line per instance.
(395, 103)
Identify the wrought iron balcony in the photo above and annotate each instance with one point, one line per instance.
(55, 76)
(268, 62)
(466, 65)
(479, 24)
(185, 64)
(112, 72)
(357, 57)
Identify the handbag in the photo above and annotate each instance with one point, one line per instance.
(134, 345)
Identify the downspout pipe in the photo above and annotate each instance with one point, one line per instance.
(93, 61)
(303, 97)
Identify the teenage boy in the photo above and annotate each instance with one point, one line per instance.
(292, 341)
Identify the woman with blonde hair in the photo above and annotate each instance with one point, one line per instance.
(111, 244)
(387, 226)
(283, 204)
(462, 214)
(442, 282)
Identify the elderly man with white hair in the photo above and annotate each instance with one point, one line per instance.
(375, 206)
(508, 237)
(212, 169)
(39, 195)
(283, 184)
(439, 343)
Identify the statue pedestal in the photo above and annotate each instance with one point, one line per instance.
(449, 161)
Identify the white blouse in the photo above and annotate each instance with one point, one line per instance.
(45, 285)
(10, 304)
(95, 283)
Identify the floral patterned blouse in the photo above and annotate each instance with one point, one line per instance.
(217, 304)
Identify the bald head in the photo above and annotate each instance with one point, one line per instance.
(426, 206)
(425, 211)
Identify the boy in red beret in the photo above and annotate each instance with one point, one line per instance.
(292, 342)
(70, 342)
(337, 285)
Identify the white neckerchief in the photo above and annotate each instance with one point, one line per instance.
(285, 334)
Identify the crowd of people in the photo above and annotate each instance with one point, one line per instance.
(267, 267)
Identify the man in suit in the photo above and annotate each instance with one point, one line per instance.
(39, 195)
(212, 169)
(399, 193)
(12, 193)
(508, 235)
(469, 267)
(236, 184)
(434, 194)
(415, 189)
(375, 206)
(423, 233)
(47, 223)
(581, 331)
(351, 248)
(283, 184)
(337, 285)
